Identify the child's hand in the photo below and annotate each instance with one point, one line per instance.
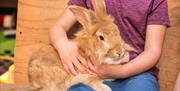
(72, 61)
(106, 71)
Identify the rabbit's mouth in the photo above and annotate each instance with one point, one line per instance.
(122, 58)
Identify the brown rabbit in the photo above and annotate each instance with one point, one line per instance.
(99, 38)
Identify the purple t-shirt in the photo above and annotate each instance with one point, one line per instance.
(132, 18)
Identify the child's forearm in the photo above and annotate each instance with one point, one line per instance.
(57, 34)
(152, 52)
(143, 62)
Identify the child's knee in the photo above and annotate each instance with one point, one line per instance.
(143, 82)
(80, 87)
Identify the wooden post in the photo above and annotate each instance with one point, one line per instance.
(35, 18)
(170, 61)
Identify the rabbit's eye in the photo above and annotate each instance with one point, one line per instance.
(101, 37)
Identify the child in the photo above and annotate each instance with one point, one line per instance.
(142, 23)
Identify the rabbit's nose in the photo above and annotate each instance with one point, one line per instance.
(121, 54)
(118, 54)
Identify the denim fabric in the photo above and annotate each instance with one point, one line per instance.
(142, 82)
(80, 87)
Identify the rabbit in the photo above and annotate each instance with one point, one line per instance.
(98, 37)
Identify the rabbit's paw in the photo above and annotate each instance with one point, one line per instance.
(103, 87)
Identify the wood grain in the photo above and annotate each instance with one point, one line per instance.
(169, 64)
(35, 17)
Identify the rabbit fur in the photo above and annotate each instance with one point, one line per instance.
(98, 37)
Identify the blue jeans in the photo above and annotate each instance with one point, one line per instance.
(142, 82)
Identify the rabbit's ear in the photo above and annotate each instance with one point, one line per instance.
(99, 8)
(84, 16)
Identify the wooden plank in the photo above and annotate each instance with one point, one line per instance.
(169, 64)
(35, 18)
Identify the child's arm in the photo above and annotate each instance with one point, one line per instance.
(67, 49)
(177, 84)
(152, 51)
(59, 29)
(143, 62)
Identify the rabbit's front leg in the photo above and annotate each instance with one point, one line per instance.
(100, 87)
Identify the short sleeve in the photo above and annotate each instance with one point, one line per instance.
(81, 3)
(159, 13)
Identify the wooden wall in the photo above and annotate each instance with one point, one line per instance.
(170, 61)
(35, 17)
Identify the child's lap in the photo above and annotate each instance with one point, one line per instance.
(141, 82)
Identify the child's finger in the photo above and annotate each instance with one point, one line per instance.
(82, 60)
(91, 67)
